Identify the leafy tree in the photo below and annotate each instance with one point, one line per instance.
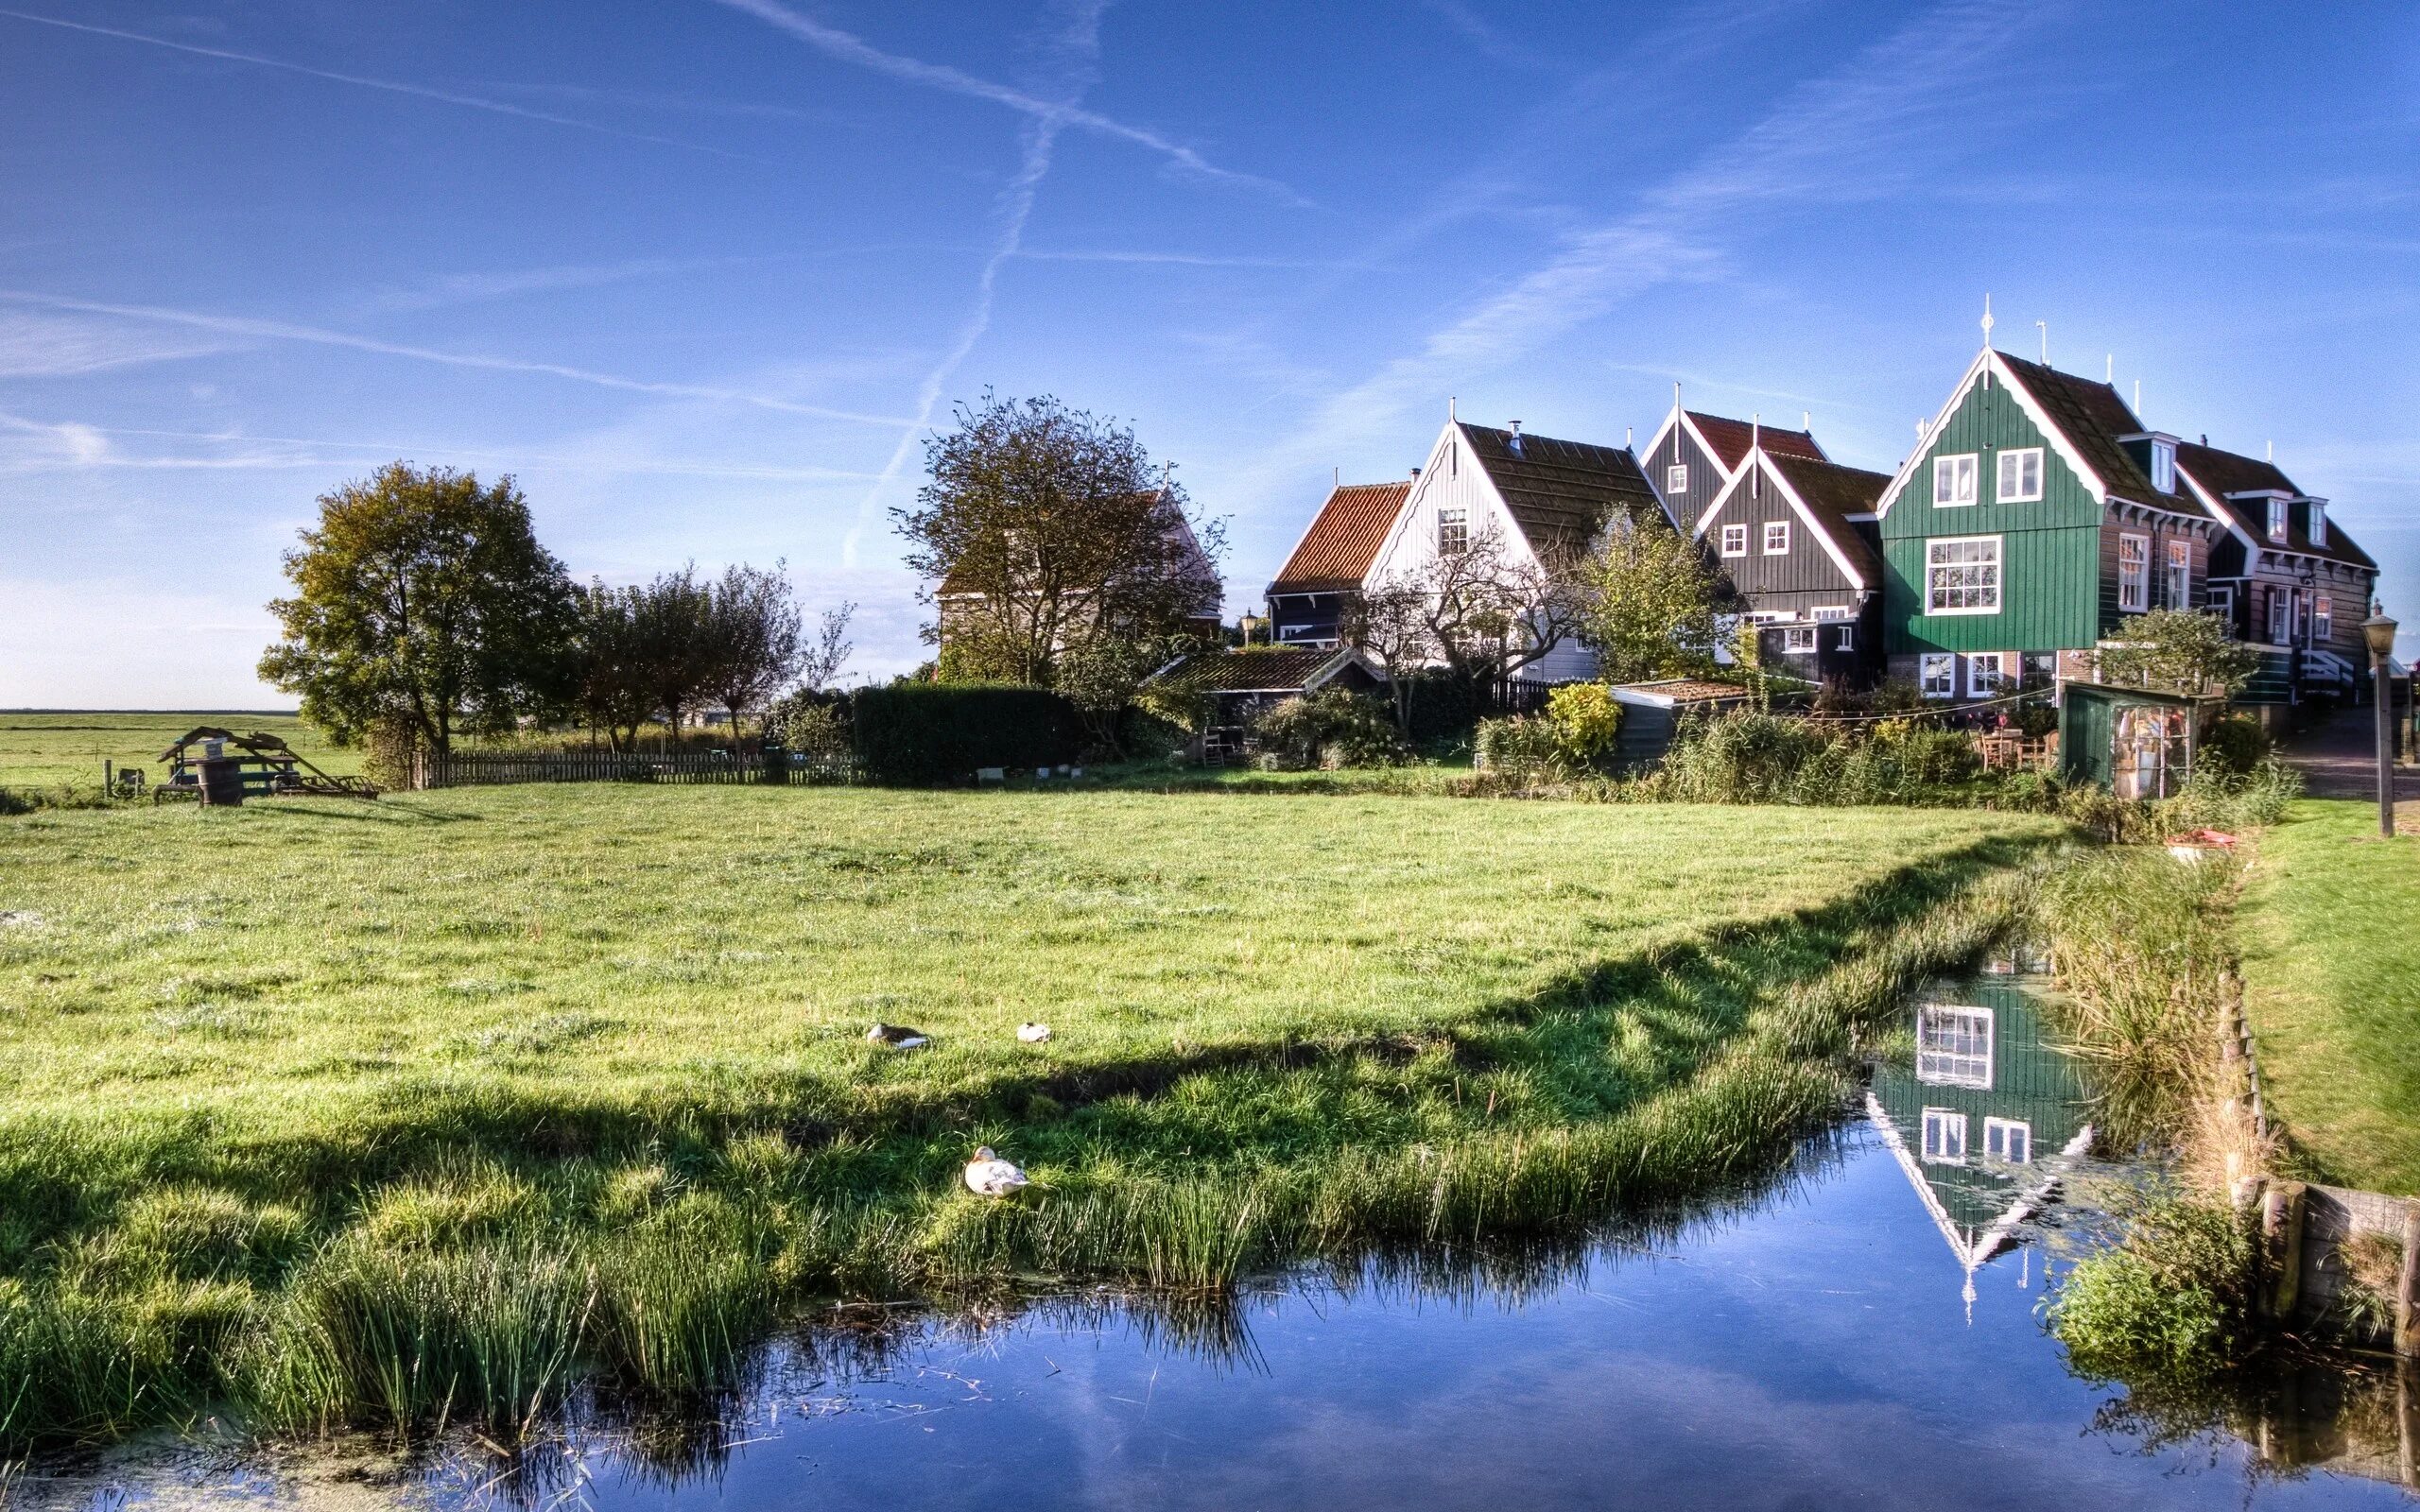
(612, 688)
(755, 637)
(1041, 527)
(2179, 648)
(673, 617)
(831, 648)
(1650, 601)
(1101, 676)
(1481, 613)
(422, 599)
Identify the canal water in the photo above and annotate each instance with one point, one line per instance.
(1864, 1332)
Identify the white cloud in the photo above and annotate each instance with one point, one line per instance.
(35, 345)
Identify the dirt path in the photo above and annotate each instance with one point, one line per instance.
(2338, 759)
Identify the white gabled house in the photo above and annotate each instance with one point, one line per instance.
(1541, 497)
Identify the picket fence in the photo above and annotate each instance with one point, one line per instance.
(486, 769)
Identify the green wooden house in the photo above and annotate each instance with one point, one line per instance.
(1986, 1117)
(2036, 514)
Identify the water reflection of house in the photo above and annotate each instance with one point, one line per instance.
(1986, 1117)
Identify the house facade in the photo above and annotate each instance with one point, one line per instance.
(2036, 515)
(1312, 594)
(1797, 540)
(1693, 457)
(1543, 498)
(2284, 577)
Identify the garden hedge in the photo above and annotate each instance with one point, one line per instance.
(926, 734)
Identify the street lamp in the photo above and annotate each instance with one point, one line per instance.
(2379, 632)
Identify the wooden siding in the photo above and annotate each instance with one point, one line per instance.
(2049, 550)
(2160, 531)
(1806, 569)
(1705, 475)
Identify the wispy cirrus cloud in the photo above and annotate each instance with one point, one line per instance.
(389, 86)
(848, 48)
(35, 345)
(467, 288)
(1187, 259)
(313, 336)
(1077, 47)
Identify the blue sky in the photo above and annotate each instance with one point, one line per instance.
(701, 274)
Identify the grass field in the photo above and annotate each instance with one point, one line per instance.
(2332, 985)
(49, 751)
(338, 1110)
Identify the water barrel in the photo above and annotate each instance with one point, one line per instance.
(222, 782)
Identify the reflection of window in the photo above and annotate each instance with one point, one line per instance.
(1777, 538)
(1453, 532)
(1798, 640)
(2134, 573)
(2020, 478)
(1676, 478)
(2008, 1141)
(1954, 1046)
(1938, 673)
(1953, 480)
(1944, 1137)
(1962, 576)
(1734, 541)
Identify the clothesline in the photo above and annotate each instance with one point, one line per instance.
(1918, 713)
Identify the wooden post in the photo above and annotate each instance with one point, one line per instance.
(2407, 1291)
(2281, 1226)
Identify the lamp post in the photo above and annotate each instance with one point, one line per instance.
(2379, 632)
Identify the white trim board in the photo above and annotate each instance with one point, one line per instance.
(1987, 362)
(1757, 457)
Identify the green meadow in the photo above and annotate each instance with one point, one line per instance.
(326, 1111)
(55, 750)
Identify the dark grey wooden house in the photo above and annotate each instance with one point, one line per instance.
(1795, 538)
(1694, 456)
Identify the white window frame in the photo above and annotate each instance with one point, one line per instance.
(1947, 1036)
(2281, 616)
(1834, 611)
(1798, 640)
(1944, 663)
(2180, 574)
(2222, 601)
(1734, 541)
(1944, 1137)
(1987, 675)
(2025, 459)
(1954, 480)
(2281, 520)
(1676, 478)
(2323, 617)
(2008, 1141)
(1933, 591)
(2135, 592)
(2317, 509)
(1776, 540)
(2164, 466)
(1460, 520)
(1846, 639)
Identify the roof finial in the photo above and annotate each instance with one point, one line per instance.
(2272, 451)
(1449, 407)
(1807, 421)
(2044, 326)
(2109, 369)
(1755, 430)
(2138, 401)
(1987, 319)
(1627, 432)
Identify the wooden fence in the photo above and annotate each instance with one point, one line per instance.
(486, 769)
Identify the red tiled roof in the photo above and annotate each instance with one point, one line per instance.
(1730, 440)
(2225, 472)
(1335, 554)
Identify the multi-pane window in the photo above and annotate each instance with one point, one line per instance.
(1953, 1046)
(2279, 516)
(1962, 576)
(1799, 640)
(2164, 466)
(1937, 673)
(2134, 573)
(1953, 480)
(1676, 478)
(2180, 575)
(2281, 610)
(1453, 532)
(2008, 1141)
(1734, 541)
(1777, 538)
(1983, 675)
(1944, 1137)
(2323, 617)
(2020, 475)
(2317, 509)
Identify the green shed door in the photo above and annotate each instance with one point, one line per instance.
(2084, 736)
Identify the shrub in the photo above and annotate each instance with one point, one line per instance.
(1742, 757)
(925, 733)
(1443, 704)
(2174, 1299)
(1520, 749)
(2231, 746)
(1330, 728)
(1587, 721)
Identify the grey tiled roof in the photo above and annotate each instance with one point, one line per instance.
(1560, 493)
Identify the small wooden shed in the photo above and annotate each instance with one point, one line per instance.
(2136, 742)
(1652, 714)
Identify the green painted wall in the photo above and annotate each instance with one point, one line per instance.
(2049, 550)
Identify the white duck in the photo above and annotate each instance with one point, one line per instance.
(1033, 1034)
(895, 1036)
(988, 1176)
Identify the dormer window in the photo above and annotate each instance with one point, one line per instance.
(2279, 516)
(2163, 465)
(2319, 521)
